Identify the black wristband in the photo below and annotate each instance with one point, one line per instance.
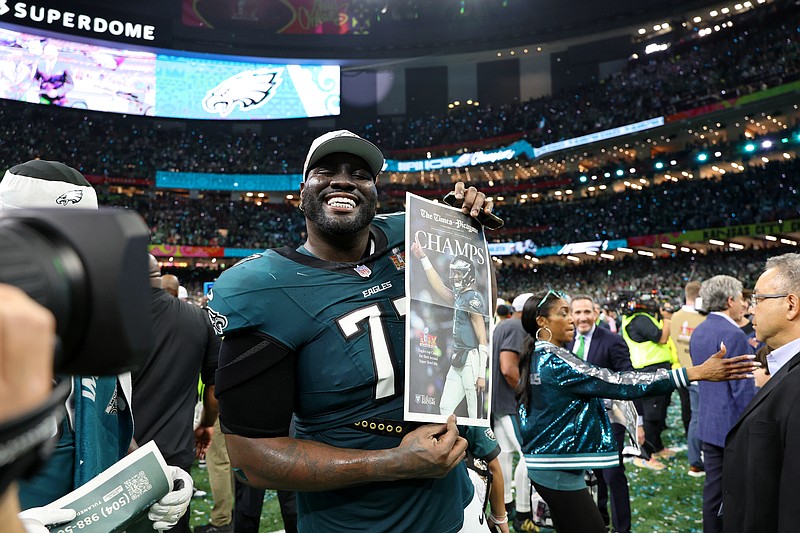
(25, 441)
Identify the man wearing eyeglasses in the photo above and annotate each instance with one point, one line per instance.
(719, 406)
(762, 464)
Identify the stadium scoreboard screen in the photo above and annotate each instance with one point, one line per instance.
(43, 70)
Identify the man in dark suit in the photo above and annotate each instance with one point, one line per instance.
(721, 404)
(601, 347)
(761, 465)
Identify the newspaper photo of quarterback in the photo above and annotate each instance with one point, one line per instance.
(449, 285)
(469, 352)
(316, 335)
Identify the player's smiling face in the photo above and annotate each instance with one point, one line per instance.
(339, 195)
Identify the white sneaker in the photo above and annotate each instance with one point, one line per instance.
(696, 471)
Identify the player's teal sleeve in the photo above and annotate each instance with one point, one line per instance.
(257, 294)
(481, 442)
(228, 304)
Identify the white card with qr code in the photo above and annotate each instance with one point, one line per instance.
(118, 499)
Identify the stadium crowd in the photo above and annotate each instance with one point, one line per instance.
(217, 220)
(667, 207)
(761, 52)
(611, 281)
(214, 220)
(607, 282)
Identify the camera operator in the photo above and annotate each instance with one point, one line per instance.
(98, 429)
(646, 332)
(27, 338)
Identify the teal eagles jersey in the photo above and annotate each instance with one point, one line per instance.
(344, 323)
(467, 302)
(482, 442)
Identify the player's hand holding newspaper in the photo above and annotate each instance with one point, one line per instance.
(118, 499)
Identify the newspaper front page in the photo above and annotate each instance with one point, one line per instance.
(448, 341)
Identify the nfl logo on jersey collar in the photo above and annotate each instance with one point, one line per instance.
(363, 271)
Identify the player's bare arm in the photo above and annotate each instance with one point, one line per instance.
(430, 451)
(509, 367)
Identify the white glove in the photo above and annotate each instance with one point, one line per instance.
(35, 519)
(166, 512)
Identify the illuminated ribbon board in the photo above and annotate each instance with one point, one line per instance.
(517, 149)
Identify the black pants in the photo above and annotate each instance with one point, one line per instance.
(654, 415)
(573, 511)
(686, 409)
(247, 509)
(614, 480)
(287, 499)
(712, 488)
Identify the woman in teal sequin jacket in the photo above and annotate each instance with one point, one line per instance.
(565, 429)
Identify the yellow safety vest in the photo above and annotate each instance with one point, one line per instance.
(647, 353)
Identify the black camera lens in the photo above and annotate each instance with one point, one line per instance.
(39, 261)
(89, 268)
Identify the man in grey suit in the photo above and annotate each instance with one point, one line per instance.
(761, 463)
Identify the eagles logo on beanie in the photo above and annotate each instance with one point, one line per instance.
(44, 184)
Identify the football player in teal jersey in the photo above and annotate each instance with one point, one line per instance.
(466, 377)
(317, 333)
(487, 478)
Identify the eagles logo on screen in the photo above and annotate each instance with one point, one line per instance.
(70, 197)
(248, 90)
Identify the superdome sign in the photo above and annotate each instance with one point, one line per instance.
(84, 21)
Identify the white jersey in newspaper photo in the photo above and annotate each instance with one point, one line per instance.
(448, 285)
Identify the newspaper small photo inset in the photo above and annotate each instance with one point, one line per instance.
(117, 500)
(448, 341)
